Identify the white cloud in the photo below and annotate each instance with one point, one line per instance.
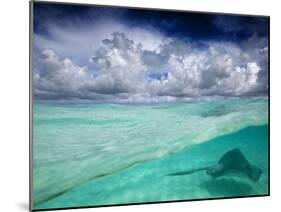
(125, 66)
(55, 76)
(120, 64)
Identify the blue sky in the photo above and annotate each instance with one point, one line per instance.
(110, 54)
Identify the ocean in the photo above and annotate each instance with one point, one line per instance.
(106, 154)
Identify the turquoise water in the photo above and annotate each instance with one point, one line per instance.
(107, 154)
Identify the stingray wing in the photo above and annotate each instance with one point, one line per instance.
(233, 156)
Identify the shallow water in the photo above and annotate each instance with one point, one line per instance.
(115, 154)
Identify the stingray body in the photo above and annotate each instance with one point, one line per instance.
(232, 161)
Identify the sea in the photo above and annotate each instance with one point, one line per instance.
(111, 154)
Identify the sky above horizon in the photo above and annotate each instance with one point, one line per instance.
(122, 55)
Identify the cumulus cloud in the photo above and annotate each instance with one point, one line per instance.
(56, 77)
(126, 70)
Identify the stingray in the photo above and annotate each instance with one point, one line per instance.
(232, 161)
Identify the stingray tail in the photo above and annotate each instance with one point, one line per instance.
(191, 171)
